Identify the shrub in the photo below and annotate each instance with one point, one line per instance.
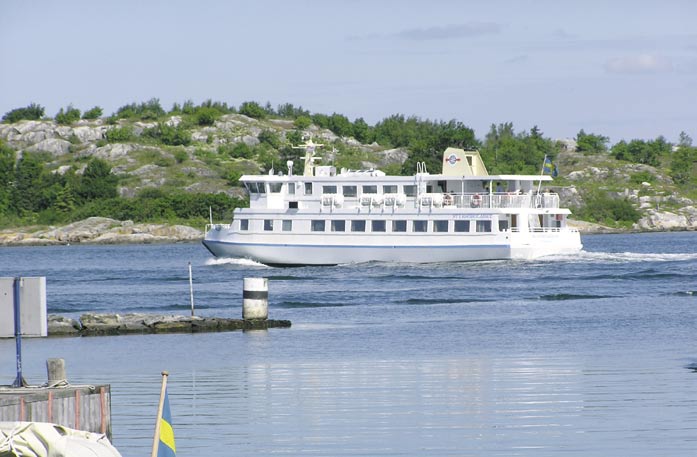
(32, 112)
(167, 134)
(94, 113)
(302, 122)
(180, 155)
(236, 150)
(68, 116)
(642, 176)
(253, 109)
(600, 207)
(271, 138)
(120, 134)
(206, 116)
(149, 110)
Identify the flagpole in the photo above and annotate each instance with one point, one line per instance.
(156, 438)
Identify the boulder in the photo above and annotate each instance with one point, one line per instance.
(63, 326)
(55, 146)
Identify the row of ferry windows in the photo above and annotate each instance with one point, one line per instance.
(346, 191)
(377, 225)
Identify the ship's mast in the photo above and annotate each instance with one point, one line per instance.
(309, 146)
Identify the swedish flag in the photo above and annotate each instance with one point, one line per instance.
(549, 168)
(166, 446)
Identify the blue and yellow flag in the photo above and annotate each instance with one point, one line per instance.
(166, 447)
(549, 168)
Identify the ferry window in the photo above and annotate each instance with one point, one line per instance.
(410, 191)
(389, 189)
(350, 191)
(328, 189)
(358, 226)
(338, 226)
(440, 226)
(291, 188)
(275, 187)
(287, 225)
(503, 226)
(420, 226)
(292, 205)
(308, 188)
(244, 224)
(261, 187)
(484, 226)
(462, 226)
(377, 226)
(370, 189)
(399, 226)
(318, 226)
(268, 225)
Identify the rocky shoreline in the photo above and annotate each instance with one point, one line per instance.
(100, 230)
(93, 324)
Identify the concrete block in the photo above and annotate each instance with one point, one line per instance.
(32, 302)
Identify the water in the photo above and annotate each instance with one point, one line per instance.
(590, 354)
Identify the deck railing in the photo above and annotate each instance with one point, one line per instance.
(496, 200)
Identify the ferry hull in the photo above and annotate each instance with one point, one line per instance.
(508, 247)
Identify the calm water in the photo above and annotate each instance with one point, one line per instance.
(588, 355)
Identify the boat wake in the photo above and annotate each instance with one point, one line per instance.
(235, 261)
(622, 257)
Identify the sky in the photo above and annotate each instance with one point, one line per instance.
(622, 69)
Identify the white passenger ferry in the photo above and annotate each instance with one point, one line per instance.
(463, 214)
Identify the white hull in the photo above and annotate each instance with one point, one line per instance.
(325, 251)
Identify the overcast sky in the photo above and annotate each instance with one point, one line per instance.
(624, 69)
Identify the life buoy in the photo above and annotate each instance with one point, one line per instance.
(476, 201)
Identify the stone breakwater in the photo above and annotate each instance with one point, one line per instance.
(92, 324)
(100, 230)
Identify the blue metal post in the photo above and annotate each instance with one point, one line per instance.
(19, 382)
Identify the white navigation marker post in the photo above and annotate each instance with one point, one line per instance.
(255, 299)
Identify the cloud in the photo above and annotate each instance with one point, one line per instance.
(642, 63)
(447, 32)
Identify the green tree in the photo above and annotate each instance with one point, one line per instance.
(93, 113)
(68, 116)
(206, 116)
(33, 112)
(7, 169)
(590, 143)
(29, 185)
(302, 122)
(271, 138)
(339, 124)
(253, 109)
(97, 181)
(361, 131)
(682, 161)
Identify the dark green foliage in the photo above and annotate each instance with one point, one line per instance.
(28, 185)
(120, 134)
(206, 116)
(589, 143)
(253, 109)
(169, 135)
(600, 207)
(150, 110)
(426, 140)
(339, 124)
(294, 137)
(270, 138)
(94, 113)
(68, 116)
(362, 131)
(7, 168)
(321, 120)
(683, 160)
(238, 150)
(180, 155)
(288, 111)
(33, 112)
(157, 205)
(97, 181)
(233, 177)
(640, 151)
(302, 122)
(505, 152)
(642, 176)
